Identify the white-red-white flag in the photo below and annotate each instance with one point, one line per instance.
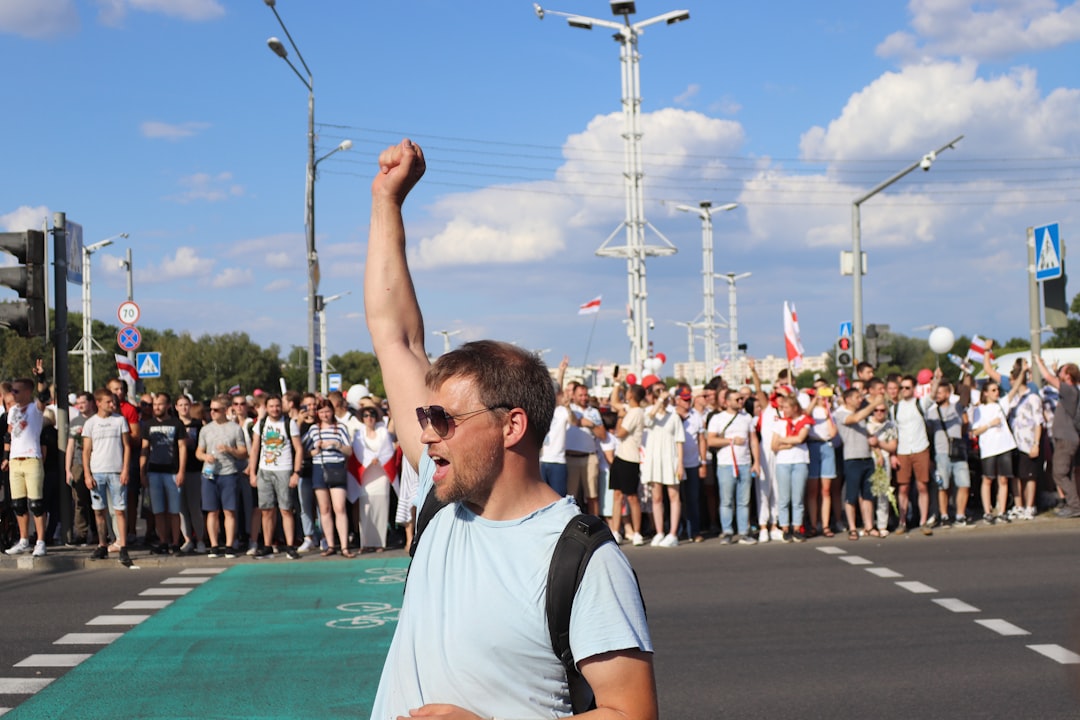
(588, 308)
(127, 371)
(976, 351)
(792, 342)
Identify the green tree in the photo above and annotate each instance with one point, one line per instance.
(1068, 336)
(359, 367)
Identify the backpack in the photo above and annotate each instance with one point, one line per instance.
(580, 538)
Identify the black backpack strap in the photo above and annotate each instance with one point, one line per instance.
(579, 540)
(431, 506)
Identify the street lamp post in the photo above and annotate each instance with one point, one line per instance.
(733, 312)
(691, 375)
(87, 346)
(446, 335)
(309, 204)
(856, 238)
(323, 355)
(126, 265)
(635, 250)
(705, 210)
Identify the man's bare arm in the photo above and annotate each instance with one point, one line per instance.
(623, 684)
(390, 304)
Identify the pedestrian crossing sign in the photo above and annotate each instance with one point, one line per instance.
(1047, 253)
(148, 364)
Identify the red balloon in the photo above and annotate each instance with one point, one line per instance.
(631, 379)
(661, 357)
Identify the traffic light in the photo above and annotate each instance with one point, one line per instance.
(844, 357)
(27, 316)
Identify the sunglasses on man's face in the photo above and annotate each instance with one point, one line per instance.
(442, 422)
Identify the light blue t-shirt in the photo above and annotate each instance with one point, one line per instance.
(473, 631)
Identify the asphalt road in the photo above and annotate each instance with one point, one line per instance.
(979, 623)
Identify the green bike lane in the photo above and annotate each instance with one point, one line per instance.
(263, 640)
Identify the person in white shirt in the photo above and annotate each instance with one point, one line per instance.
(25, 467)
(582, 458)
(996, 445)
(731, 433)
(912, 453)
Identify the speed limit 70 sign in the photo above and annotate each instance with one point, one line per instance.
(128, 313)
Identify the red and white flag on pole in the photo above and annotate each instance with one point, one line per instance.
(588, 308)
(126, 370)
(794, 346)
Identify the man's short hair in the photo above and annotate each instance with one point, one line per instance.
(505, 376)
(849, 393)
(1072, 371)
(863, 365)
(873, 383)
(167, 396)
(103, 393)
(714, 384)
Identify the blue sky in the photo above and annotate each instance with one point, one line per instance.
(172, 121)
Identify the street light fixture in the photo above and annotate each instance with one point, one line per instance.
(446, 335)
(705, 210)
(733, 312)
(323, 355)
(856, 238)
(278, 49)
(87, 346)
(635, 250)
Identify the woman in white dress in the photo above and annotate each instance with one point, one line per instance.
(375, 446)
(662, 465)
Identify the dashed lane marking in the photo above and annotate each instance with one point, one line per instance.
(956, 605)
(832, 550)
(165, 592)
(203, 571)
(914, 586)
(185, 580)
(117, 620)
(856, 560)
(1057, 653)
(22, 686)
(87, 638)
(1002, 627)
(61, 660)
(884, 572)
(143, 605)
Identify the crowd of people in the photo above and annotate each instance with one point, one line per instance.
(284, 475)
(881, 455)
(260, 475)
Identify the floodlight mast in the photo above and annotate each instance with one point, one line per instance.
(635, 250)
(705, 210)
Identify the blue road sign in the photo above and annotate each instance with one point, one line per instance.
(148, 364)
(129, 338)
(1047, 252)
(846, 329)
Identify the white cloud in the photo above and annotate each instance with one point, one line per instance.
(113, 12)
(278, 285)
(278, 260)
(533, 221)
(983, 30)
(233, 277)
(38, 18)
(688, 94)
(204, 186)
(184, 263)
(171, 131)
(25, 218)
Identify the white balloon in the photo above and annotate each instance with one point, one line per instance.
(941, 340)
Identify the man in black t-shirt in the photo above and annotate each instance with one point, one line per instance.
(162, 466)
